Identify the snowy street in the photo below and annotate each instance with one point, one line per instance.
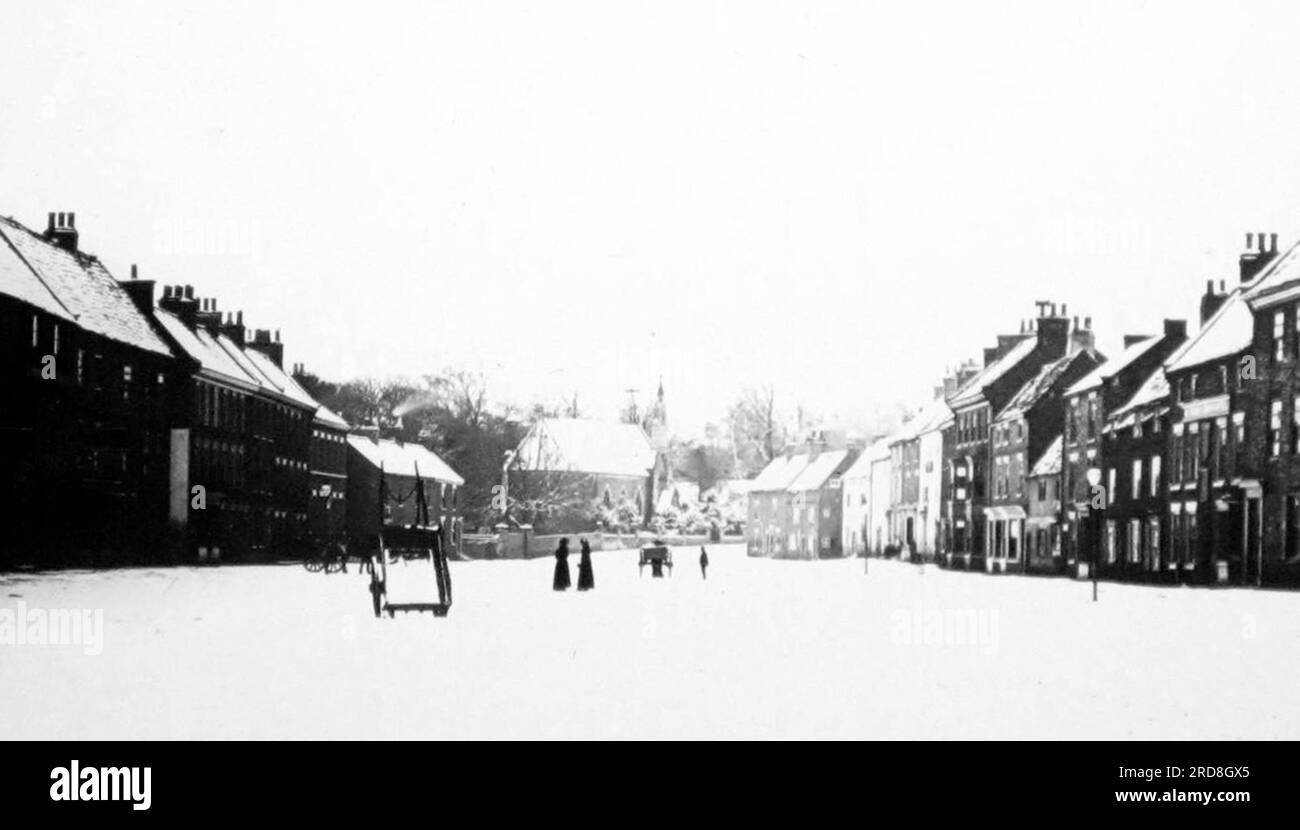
(761, 649)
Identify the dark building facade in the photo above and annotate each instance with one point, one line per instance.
(1088, 407)
(83, 422)
(1132, 525)
(1007, 368)
(1020, 436)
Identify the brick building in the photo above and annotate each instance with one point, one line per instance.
(1135, 519)
(795, 503)
(1043, 521)
(1007, 368)
(1271, 399)
(83, 421)
(1226, 426)
(915, 465)
(1088, 407)
(241, 432)
(370, 458)
(1021, 433)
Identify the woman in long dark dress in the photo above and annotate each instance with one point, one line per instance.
(704, 563)
(562, 582)
(586, 576)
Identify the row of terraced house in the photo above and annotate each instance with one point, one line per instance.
(1178, 459)
(141, 423)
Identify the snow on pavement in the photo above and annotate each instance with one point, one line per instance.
(761, 649)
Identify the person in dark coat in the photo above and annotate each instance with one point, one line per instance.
(586, 576)
(704, 563)
(562, 582)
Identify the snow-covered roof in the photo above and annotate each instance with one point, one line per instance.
(71, 286)
(284, 383)
(1050, 463)
(814, 474)
(1153, 390)
(1040, 385)
(779, 472)
(930, 417)
(404, 459)
(201, 347)
(861, 467)
(1109, 368)
(1227, 332)
(586, 445)
(973, 390)
(1232, 327)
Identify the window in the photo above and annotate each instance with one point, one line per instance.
(1155, 474)
(1137, 478)
(1110, 486)
(81, 366)
(36, 331)
(1275, 428)
(1279, 328)
(1042, 489)
(56, 338)
(1191, 384)
(126, 381)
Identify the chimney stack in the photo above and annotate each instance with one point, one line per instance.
(62, 231)
(1252, 262)
(140, 291)
(273, 349)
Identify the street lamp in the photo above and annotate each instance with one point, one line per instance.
(1094, 480)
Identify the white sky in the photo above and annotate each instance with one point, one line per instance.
(837, 199)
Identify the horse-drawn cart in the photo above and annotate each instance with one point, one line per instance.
(656, 556)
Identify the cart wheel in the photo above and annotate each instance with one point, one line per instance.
(312, 565)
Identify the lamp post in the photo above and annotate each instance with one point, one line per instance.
(1094, 480)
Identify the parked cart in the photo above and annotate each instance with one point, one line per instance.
(411, 562)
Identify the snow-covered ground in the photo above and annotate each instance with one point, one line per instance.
(762, 649)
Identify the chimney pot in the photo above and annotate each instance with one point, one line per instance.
(1076, 321)
(134, 272)
(277, 335)
(1063, 312)
(72, 220)
(1087, 322)
(51, 224)
(189, 292)
(1223, 287)
(1250, 241)
(1272, 243)
(239, 317)
(1260, 241)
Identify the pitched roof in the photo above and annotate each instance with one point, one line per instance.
(861, 467)
(404, 459)
(1154, 389)
(286, 385)
(973, 390)
(779, 472)
(1227, 332)
(1040, 384)
(1231, 328)
(1050, 462)
(814, 474)
(1109, 368)
(72, 286)
(929, 417)
(586, 445)
(1281, 272)
(201, 347)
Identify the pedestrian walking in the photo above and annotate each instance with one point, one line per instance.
(562, 582)
(586, 576)
(704, 563)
